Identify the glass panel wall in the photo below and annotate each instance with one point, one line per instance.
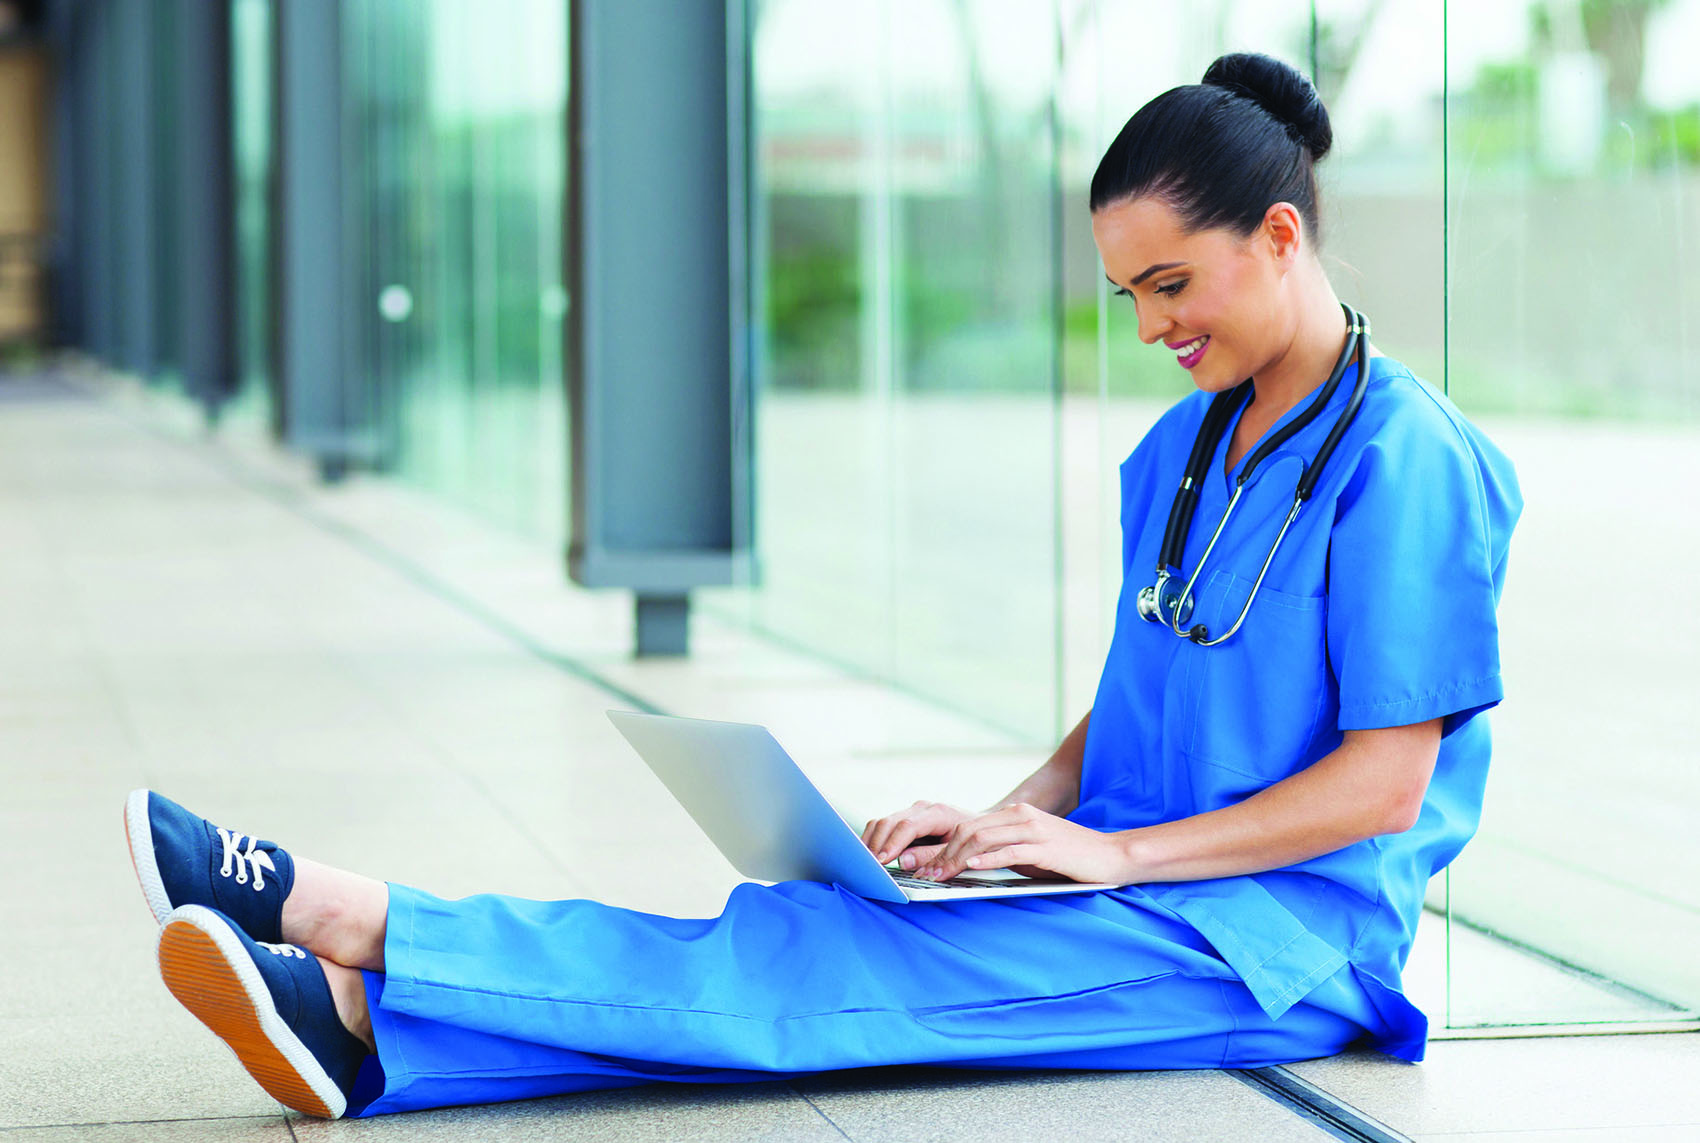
(1573, 208)
(906, 448)
(456, 181)
(945, 391)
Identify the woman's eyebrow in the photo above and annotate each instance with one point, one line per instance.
(1150, 270)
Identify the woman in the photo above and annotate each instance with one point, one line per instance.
(1284, 747)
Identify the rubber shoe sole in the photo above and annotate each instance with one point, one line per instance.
(209, 971)
(138, 830)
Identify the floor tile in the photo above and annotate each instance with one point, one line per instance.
(1500, 983)
(654, 1114)
(269, 1129)
(1554, 1084)
(919, 1105)
(1672, 1133)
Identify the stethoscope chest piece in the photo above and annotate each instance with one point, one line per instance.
(1166, 601)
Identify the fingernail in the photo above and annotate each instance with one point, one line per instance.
(881, 855)
(974, 861)
(907, 861)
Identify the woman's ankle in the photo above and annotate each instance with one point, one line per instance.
(348, 992)
(337, 915)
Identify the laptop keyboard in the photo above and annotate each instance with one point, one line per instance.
(909, 882)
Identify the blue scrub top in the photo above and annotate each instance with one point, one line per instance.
(1379, 610)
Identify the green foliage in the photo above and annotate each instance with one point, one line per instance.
(1505, 84)
(812, 300)
(946, 336)
(1494, 121)
(1675, 138)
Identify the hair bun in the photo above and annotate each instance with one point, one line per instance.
(1279, 89)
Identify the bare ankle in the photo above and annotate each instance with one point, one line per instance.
(337, 915)
(348, 992)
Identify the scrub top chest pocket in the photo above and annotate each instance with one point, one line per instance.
(1261, 695)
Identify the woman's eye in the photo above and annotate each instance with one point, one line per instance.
(1123, 292)
(1170, 289)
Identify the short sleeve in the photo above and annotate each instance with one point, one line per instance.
(1416, 565)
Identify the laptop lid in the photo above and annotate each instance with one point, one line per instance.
(754, 802)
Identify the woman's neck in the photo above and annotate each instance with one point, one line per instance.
(1318, 332)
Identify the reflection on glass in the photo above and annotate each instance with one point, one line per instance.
(1572, 170)
(906, 428)
(457, 178)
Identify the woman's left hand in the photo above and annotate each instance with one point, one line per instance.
(1032, 842)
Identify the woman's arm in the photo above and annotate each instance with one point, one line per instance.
(1053, 787)
(1372, 784)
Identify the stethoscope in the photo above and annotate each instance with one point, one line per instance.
(1162, 600)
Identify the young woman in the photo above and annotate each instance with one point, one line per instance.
(1286, 744)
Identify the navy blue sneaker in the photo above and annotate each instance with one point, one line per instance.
(269, 1003)
(182, 859)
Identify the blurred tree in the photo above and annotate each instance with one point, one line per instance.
(1615, 30)
(1334, 49)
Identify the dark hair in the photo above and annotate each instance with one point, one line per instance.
(1223, 151)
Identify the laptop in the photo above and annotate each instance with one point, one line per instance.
(773, 824)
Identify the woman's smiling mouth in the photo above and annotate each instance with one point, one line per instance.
(1188, 353)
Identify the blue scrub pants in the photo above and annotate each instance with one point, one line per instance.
(494, 998)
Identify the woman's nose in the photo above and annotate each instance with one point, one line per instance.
(1152, 328)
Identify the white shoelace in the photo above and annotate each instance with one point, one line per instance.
(283, 950)
(241, 861)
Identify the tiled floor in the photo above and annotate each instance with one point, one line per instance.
(189, 615)
(1497, 1091)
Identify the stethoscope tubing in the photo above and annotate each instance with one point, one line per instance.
(1222, 409)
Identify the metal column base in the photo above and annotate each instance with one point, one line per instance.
(663, 625)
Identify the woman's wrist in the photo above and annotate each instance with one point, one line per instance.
(1137, 854)
(1055, 793)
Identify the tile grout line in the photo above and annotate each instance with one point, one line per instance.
(1321, 1108)
(829, 1121)
(126, 1122)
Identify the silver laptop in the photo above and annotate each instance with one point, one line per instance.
(771, 822)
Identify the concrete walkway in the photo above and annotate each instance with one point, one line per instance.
(379, 682)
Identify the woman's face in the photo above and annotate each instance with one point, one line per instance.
(1210, 296)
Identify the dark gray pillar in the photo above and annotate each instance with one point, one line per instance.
(97, 174)
(318, 407)
(66, 242)
(656, 205)
(206, 309)
(134, 214)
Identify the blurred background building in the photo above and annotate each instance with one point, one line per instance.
(350, 227)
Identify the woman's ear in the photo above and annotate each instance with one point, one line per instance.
(1283, 231)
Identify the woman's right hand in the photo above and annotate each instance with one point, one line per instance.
(893, 837)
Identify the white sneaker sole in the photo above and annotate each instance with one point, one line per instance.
(207, 968)
(139, 830)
